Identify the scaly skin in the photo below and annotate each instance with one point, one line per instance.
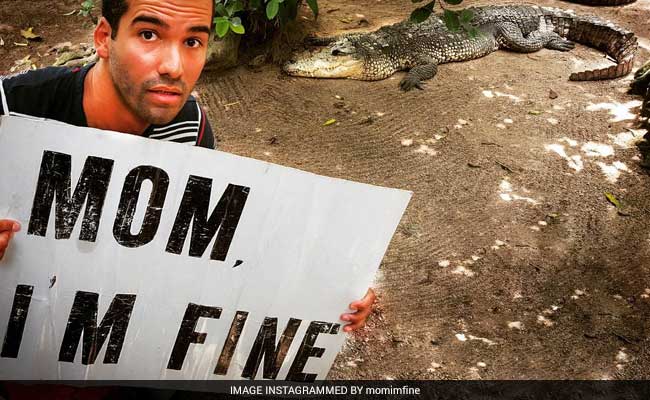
(420, 48)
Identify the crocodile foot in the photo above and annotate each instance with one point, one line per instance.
(409, 82)
(560, 44)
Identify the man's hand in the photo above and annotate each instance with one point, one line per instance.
(7, 230)
(363, 308)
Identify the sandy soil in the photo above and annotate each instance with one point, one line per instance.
(509, 262)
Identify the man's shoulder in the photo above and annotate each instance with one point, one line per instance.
(37, 77)
(50, 92)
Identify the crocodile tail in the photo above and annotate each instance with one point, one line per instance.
(618, 43)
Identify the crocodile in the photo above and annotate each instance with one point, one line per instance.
(608, 3)
(420, 47)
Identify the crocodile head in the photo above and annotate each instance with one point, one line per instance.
(341, 59)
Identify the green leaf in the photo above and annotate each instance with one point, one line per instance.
(612, 199)
(451, 20)
(221, 10)
(272, 8)
(313, 4)
(221, 26)
(616, 203)
(419, 15)
(238, 29)
(235, 7)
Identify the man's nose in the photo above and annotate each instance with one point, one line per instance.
(171, 63)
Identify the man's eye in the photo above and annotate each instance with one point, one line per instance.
(193, 42)
(148, 35)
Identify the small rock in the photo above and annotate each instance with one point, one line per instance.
(515, 325)
(337, 97)
(552, 94)
(407, 142)
(481, 364)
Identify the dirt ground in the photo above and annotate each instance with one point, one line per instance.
(510, 263)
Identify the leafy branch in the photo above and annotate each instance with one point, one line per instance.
(455, 20)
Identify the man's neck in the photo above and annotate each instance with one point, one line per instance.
(103, 106)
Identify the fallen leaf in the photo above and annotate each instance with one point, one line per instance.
(534, 112)
(616, 203)
(329, 122)
(612, 199)
(30, 35)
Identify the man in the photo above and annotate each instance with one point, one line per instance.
(151, 54)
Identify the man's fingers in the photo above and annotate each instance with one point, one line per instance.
(4, 240)
(354, 327)
(9, 225)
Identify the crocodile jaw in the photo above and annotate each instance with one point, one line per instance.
(325, 65)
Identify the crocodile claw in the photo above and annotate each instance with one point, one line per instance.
(410, 82)
(561, 45)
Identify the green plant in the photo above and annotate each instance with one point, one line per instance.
(454, 20)
(86, 8)
(231, 14)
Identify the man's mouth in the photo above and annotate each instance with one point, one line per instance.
(165, 95)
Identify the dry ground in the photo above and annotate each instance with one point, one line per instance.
(509, 262)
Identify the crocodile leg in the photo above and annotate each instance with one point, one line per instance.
(424, 69)
(510, 36)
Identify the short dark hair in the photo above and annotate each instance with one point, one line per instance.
(113, 10)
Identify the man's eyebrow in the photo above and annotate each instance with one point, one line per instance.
(150, 20)
(200, 29)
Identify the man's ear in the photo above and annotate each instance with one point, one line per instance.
(102, 37)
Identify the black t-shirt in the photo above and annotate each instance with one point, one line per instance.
(57, 93)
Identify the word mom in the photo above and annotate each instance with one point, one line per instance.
(54, 181)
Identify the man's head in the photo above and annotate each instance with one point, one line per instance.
(155, 51)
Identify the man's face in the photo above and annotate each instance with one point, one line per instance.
(158, 54)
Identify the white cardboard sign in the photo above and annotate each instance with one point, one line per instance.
(149, 260)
